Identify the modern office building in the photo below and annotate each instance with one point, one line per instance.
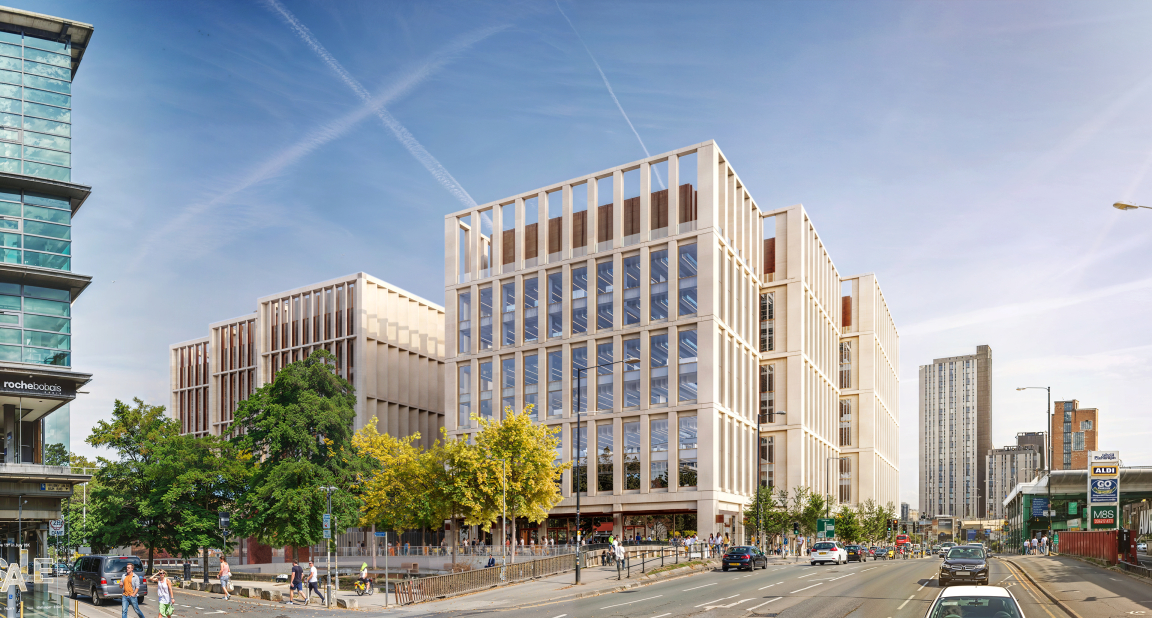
(733, 317)
(1078, 429)
(1008, 467)
(39, 57)
(1038, 441)
(388, 343)
(955, 434)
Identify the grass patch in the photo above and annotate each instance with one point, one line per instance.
(672, 567)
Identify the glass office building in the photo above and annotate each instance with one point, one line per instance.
(39, 57)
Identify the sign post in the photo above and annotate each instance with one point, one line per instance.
(1103, 490)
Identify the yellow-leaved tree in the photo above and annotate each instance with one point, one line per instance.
(399, 490)
(526, 453)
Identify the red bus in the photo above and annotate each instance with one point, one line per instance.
(902, 539)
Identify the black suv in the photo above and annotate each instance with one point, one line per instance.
(966, 563)
(99, 577)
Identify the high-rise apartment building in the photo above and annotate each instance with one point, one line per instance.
(1038, 441)
(1008, 467)
(388, 343)
(682, 341)
(1077, 429)
(39, 57)
(955, 434)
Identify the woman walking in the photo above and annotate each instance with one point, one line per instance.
(225, 577)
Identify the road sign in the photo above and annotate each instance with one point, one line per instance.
(1039, 505)
(56, 527)
(825, 528)
(381, 533)
(327, 533)
(224, 520)
(327, 521)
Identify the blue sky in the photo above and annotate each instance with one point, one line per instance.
(967, 153)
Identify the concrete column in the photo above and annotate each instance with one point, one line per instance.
(673, 195)
(618, 208)
(645, 201)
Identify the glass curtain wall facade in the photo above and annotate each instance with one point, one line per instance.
(35, 106)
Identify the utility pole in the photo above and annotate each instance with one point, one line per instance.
(328, 545)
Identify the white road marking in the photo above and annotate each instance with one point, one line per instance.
(841, 577)
(560, 616)
(662, 615)
(770, 585)
(904, 603)
(867, 569)
(802, 576)
(728, 606)
(699, 587)
(631, 602)
(717, 600)
(925, 583)
(762, 604)
(803, 589)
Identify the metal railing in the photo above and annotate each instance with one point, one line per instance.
(1135, 569)
(439, 586)
(446, 550)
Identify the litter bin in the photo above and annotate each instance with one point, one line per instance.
(187, 571)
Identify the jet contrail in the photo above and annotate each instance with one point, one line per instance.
(611, 92)
(321, 136)
(402, 134)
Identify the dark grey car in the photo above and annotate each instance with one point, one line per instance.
(99, 577)
(964, 563)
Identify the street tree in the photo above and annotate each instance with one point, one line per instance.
(78, 525)
(297, 433)
(848, 526)
(397, 486)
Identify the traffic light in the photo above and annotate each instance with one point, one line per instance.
(904, 529)
(796, 528)
(889, 525)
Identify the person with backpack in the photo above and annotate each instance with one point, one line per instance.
(130, 586)
(164, 594)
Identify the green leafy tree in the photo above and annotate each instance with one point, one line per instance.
(78, 524)
(122, 498)
(297, 433)
(848, 526)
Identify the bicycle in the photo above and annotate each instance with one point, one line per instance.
(364, 587)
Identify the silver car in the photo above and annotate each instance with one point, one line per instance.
(961, 601)
(99, 577)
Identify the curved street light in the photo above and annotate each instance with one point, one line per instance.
(1127, 206)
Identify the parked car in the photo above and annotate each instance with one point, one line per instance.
(964, 563)
(99, 577)
(856, 553)
(744, 557)
(829, 551)
(975, 601)
(1142, 547)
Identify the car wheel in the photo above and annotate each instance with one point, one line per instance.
(96, 600)
(71, 591)
(140, 599)
(813, 563)
(725, 569)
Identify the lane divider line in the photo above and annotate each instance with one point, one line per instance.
(631, 602)
(717, 600)
(699, 587)
(803, 589)
(662, 615)
(760, 605)
(803, 576)
(560, 616)
(770, 585)
(904, 603)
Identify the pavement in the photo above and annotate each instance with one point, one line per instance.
(1085, 590)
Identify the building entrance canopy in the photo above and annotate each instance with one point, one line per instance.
(37, 392)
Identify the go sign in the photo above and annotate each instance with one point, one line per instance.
(1104, 491)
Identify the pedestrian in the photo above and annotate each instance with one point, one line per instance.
(130, 586)
(225, 577)
(296, 583)
(313, 584)
(164, 594)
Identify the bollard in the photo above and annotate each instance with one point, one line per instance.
(11, 602)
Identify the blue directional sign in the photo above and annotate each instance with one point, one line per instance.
(1039, 505)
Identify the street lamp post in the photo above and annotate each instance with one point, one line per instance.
(768, 417)
(328, 548)
(1048, 431)
(828, 503)
(579, 426)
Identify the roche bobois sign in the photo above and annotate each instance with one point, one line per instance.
(38, 386)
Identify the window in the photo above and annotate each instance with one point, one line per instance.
(507, 386)
(767, 461)
(1085, 425)
(464, 388)
(686, 286)
(687, 365)
(658, 285)
(767, 322)
(556, 305)
(486, 318)
(464, 312)
(531, 309)
(631, 373)
(604, 376)
(579, 300)
(604, 449)
(658, 376)
(845, 364)
(631, 454)
(580, 458)
(1078, 441)
(579, 379)
(508, 307)
(845, 422)
(531, 384)
(845, 480)
(486, 390)
(555, 384)
(631, 290)
(767, 394)
(604, 296)
(687, 431)
(658, 452)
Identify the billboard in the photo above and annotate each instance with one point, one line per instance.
(1103, 489)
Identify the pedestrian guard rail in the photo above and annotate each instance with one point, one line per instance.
(438, 586)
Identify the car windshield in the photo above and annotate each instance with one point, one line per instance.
(119, 565)
(824, 546)
(976, 607)
(965, 553)
(852, 547)
(740, 550)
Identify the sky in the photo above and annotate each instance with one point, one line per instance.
(966, 153)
